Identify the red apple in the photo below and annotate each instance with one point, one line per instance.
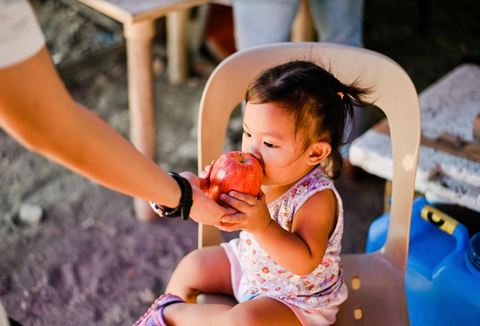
(235, 171)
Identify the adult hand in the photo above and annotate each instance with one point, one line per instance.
(253, 215)
(204, 209)
(201, 183)
(206, 173)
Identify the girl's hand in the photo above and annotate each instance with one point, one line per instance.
(253, 215)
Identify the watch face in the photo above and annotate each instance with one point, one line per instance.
(165, 211)
(156, 208)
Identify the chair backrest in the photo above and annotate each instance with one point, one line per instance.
(393, 92)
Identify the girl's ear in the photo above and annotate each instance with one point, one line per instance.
(318, 152)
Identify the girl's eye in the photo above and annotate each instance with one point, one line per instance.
(268, 145)
(246, 134)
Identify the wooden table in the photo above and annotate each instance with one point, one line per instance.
(138, 17)
(449, 160)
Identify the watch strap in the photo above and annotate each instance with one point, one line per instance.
(186, 200)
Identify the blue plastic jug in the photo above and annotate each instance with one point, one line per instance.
(442, 278)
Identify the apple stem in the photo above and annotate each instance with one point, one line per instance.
(241, 158)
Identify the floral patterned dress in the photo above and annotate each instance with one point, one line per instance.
(263, 276)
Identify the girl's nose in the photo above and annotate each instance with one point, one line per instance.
(253, 150)
(252, 147)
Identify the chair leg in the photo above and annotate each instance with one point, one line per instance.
(141, 98)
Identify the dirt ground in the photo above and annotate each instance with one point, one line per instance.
(88, 261)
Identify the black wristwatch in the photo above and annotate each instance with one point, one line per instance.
(186, 200)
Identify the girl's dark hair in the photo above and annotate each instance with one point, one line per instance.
(310, 94)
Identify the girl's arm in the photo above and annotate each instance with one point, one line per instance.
(299, 251)
(36, 110)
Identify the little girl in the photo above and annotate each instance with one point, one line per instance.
(285, 267)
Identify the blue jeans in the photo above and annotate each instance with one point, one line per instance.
(259, 22)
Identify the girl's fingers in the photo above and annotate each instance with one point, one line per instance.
(239, 205)
(233, 219)
(243, 197)
(229, 227)
(230, 211)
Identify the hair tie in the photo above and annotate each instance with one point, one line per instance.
(341, 95)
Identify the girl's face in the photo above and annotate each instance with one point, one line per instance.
(269, 135)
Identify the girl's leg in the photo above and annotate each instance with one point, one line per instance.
(202, 270)
(261, 311)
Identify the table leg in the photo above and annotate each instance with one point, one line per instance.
(141, 98)
(177, 50)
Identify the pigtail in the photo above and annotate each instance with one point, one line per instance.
(335, 116)
(347, 98)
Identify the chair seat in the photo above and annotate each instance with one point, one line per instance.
(378, 295)
(373, 298)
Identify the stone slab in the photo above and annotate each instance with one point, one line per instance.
(450, 105)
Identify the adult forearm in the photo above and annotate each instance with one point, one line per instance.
(92, 148)
(36, 109)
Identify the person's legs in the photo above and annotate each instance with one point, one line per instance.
(258, 22)
(338, 21)
(260, 311)
(203, 270)
(341, 22)
(208, 270)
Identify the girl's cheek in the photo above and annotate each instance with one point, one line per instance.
(275, 158)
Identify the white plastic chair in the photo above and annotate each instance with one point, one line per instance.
(375, 281)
